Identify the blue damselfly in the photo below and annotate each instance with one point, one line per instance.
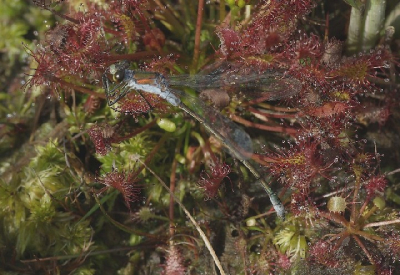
(119, 80)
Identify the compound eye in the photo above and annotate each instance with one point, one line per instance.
(119, 76)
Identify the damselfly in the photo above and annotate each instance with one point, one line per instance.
(119, 80)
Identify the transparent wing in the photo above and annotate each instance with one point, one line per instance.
(229, 133)
(270, 85)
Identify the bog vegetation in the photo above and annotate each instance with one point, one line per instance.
(87, 188)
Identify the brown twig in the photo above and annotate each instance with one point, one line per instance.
(172, 182)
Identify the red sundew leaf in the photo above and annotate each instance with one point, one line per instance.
(129, 17)
(135, 6)
(273, 24)
(92, 104)
(154, 39)
(304, 49)
(297, 166)
(272, 39)
(211, 183)
(355, 71)
(73, 49)
(163, 65)
(125, 183)
(126, 27)
(393, 244)
(275, 16)
(230, 41)
(57, 37)
(323, 253)
(78, 48)
(133, 103)
(46, 73)
(370, 113)
(302, 204)
(284, 262)
(362, 69)
(375, 185)
(174, 262)
(329, 109)
(302, 6)
(102, 136)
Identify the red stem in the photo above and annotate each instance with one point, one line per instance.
(278, 129)
(382, 223)
(273, 108)
(360, 243)
(198, 32)
(354, 213)
(262, 159)
(335, 218)
(132, 56)
(113, 32)
(265, 114)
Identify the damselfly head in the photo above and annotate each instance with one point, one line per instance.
(113, 82)
(116, 72)
(118, 76)
(118, 80)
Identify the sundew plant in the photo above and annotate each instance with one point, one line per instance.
(101, 178)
